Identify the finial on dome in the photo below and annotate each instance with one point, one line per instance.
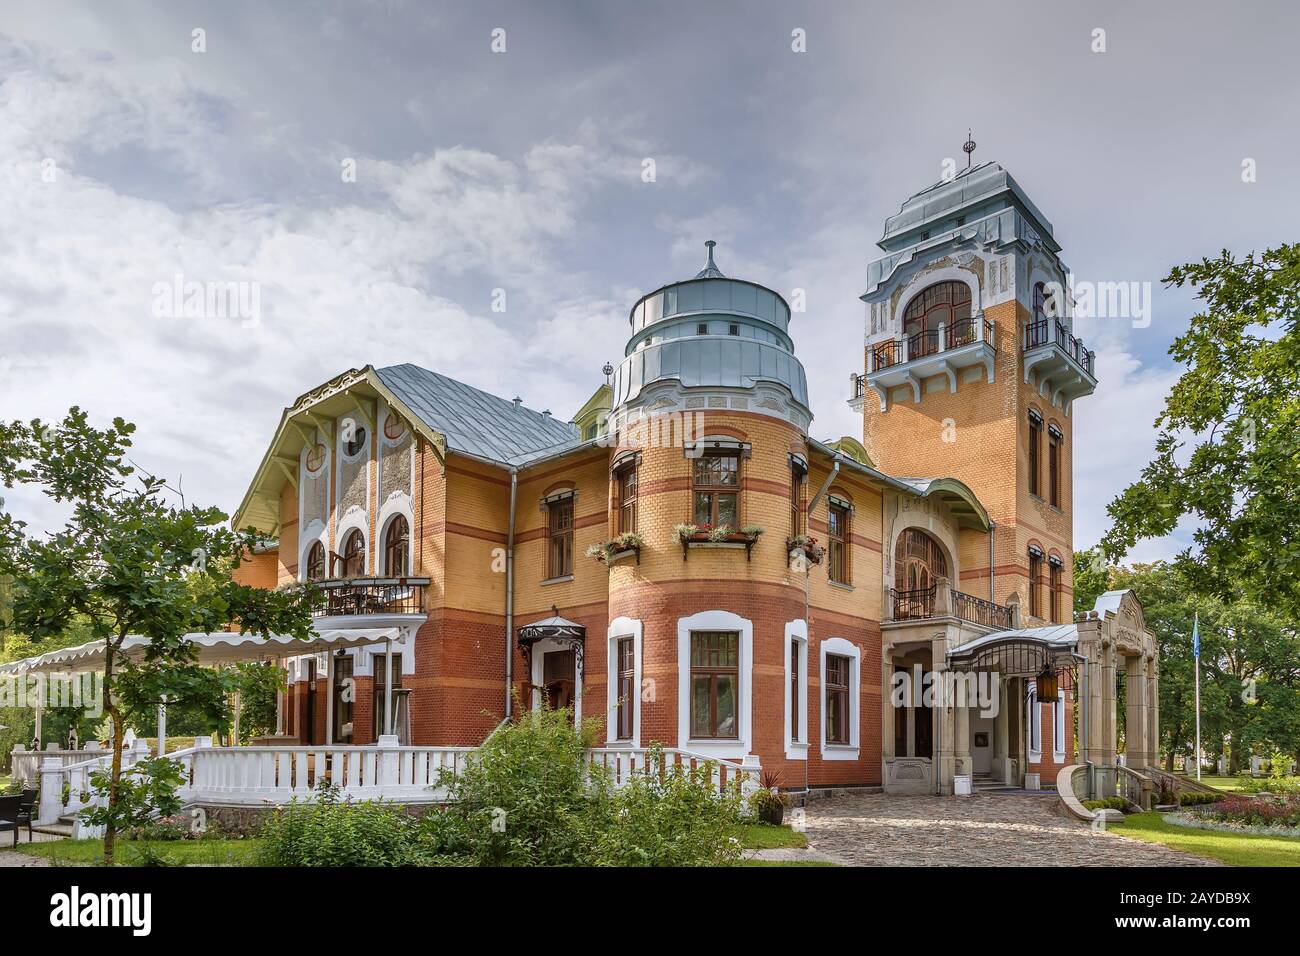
(710, 271)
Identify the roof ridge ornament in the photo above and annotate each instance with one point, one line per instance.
(968, 147)
(710, 270)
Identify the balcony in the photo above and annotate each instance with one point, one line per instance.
(1065, 368)
(372, 596)
(946, 350)
(923, 604)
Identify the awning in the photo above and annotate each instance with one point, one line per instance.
(561, 630)
(1025, 652)
(221, 647)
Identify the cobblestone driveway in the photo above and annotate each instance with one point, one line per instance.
(981, 830)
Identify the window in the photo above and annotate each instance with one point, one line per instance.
(715, 684)
(397, 547)
(354, 554)
(797, 478)
(795, 735)
(837, 699)
(315, 458)
(1058, 724)
(1035, 443)
(394, 427)
(625, 484)
(316, 562)
(837, 538)
(1035, 575)
(1054, 590)
(1040, 302)
(559, 551)
(381, 690)
(343, 699)
(944, 303)
(733, 329)
(356, 443)
(716, 485)
(702, 329)
(1035, 722)
(918, 561)
(1054, 467)
(627, 695)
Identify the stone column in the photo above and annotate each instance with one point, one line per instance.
(1001, 770)
(1108, 687)
(1153, 710)
(944, 725)
(1135, 702)
(961, 740)
(888, 711)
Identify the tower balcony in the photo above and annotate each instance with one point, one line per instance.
(946, 350)
(1065, 368)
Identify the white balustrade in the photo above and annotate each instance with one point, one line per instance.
(622, 763)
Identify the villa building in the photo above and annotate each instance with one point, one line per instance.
(760, 596)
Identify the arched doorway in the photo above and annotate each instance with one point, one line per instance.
(944, 307)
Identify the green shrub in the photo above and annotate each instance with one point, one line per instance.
(147, 789)
(1107, 803)
(1192, 798)
(528, 798)
(675, 817)
(331, 832)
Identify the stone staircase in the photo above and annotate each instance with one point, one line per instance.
(985, 783)
(61, 828)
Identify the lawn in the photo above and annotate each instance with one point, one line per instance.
(128, 852)
(1233, 784)
(1235, 849)
(764, 836)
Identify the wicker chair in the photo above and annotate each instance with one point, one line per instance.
(9, 810)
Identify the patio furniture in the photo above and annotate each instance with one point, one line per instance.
(25, 810)
(9, 814)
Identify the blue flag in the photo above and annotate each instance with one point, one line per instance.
(1196, 636)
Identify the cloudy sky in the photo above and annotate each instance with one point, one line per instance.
(128, 158)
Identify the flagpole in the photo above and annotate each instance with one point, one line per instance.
(1196, 650)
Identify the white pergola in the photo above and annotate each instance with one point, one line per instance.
(223, 647)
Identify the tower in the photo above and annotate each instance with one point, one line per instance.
(971, 372)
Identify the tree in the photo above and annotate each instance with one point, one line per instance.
(126, 562)
(1238, 407)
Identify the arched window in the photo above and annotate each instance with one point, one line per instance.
(316, 562)
(354, 554)
(397, 547)
(918, 561)
(356, 443)
(946, 304)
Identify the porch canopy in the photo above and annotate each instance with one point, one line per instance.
(1024, 652)
(556, 628)
(220, 647)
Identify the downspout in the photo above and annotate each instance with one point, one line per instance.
(807, 595)
(510, 594)
(993, 593)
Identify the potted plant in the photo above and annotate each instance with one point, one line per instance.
(802, 545)
(768, 802)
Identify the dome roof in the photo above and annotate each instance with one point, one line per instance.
(710, 331)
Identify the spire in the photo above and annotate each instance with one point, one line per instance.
(968, 147)
(710, 271)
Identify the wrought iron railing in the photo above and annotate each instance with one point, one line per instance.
(372, 596)
(975, 610)
(887, 353)
(859, 386)
(917, 604)
(1045, 331)
(923, 343)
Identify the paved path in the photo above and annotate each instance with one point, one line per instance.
(980, 830)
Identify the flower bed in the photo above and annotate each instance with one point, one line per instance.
(1269, 814)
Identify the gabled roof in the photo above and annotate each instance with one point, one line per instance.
(475, 422)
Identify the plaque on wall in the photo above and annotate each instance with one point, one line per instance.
(981, 740)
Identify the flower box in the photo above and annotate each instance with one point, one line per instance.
(703, 536)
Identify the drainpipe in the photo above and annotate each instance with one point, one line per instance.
(993, 593)
(510, 594)
(807, 600)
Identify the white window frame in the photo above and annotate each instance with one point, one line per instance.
(796, 738)
(620, 628)
(736, 749)
(1058, 728)
(843, 648)
(1034, 724)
